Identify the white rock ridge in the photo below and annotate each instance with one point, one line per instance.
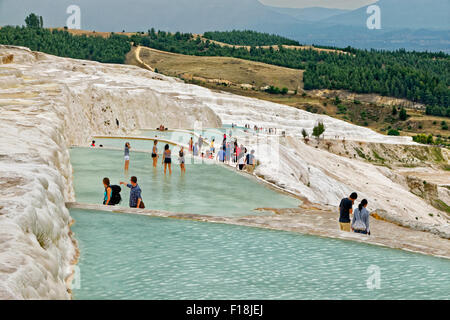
(49, 103)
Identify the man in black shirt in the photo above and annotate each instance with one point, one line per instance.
(345, 210)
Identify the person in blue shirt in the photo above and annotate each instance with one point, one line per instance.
(135, 192)
(221, 155)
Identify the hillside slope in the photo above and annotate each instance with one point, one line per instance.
(221, 70)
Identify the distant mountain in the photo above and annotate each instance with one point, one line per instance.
(309, 14)
(140, 15)
(410, 24)
(411, 14)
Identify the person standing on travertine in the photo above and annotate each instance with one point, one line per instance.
(345, 210)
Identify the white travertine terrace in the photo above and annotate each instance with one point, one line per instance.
(49, 103)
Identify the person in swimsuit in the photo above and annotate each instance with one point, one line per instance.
(182, 161)
(191, 144)
(127, 156)
(167, 159)
(93, 144)
(155, 153)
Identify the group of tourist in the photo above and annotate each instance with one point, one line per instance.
(238, 154)
(229, 151)
(257, 129)
(112, 193)
(360, 221)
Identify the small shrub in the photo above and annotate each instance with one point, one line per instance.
(393, 132)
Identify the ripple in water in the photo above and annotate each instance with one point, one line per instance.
(136, 257)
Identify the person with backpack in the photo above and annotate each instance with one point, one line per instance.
(112, 193)
(360, 221)
(135, 193)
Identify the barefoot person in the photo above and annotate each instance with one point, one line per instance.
(250, 161)
(221, 155)
(360, 221)
(200, 143)
(182, 161)
(211, 147)
(108, 191)
(167, 159)
(135, 192)
(345, 210)
(127, 156)
(191, 144)
(112, 193)
(241, 159)
(155, 153)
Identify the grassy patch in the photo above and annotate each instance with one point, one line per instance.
(378, 157)
(437, 154)
(441, 205)
(360, 153)
(236, 71)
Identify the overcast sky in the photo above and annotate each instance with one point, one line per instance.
(341, 4)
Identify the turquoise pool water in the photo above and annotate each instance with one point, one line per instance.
(204, 189)
(136, 257)
(135, 144)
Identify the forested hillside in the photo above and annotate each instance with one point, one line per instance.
(248, 38)
(64, 44)
(420, 77)
(417, 76)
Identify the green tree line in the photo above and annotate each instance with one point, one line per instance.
(248, 38)
(61, 43)
(418, 76)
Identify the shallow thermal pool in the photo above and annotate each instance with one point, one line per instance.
(127, 256)
(177, 136)
(135, 144)
(204, 189)
(183, 136)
